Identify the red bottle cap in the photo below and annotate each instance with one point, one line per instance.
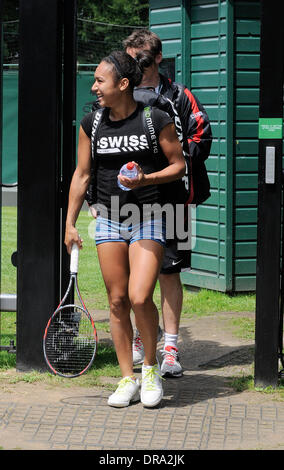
(130, 166)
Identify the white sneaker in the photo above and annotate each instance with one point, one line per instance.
(170, 366)
(138, 348)
(126, 392)
(151, 387)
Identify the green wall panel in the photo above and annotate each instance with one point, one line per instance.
(246, 147)
(207, 229)
(245, 215)
(245, 232)
(247, 44)
(245, 249)
(211, 29)
(249, 163)
(208, 79)
(245, 266)
(246, 198)
(246, 112)
(168, 32)
(168, 16)
(247, 61)
(158, 5)
(171, 47)
(245, 181)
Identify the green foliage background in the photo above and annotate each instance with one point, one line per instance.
(115, 11)
(101, 27)
(108, 11)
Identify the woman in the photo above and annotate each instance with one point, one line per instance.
(130, 256)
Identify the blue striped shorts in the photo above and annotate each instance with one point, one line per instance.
(112, 231)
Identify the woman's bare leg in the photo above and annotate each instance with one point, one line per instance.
(145, 257)
(113, 258)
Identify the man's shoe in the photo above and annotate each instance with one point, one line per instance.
(138, 348)
(126, 392)
(151, 387)
(170, 365)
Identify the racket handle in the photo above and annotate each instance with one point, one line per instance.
(74, 259)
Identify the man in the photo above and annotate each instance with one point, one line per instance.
(197, 141)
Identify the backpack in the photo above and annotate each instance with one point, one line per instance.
(179, 191)
(196, 185)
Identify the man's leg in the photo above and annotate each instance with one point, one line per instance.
(171, 301)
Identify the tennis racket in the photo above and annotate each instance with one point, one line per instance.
(70, 337)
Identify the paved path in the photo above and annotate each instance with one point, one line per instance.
(200, 411)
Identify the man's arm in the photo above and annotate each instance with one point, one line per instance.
(196, 125)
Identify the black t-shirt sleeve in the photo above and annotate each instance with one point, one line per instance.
(86, 124)
(161, 119)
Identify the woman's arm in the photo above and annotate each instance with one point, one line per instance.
(78, 188)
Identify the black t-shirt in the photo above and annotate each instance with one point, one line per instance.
(119, 142)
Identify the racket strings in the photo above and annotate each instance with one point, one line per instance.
(70, 342)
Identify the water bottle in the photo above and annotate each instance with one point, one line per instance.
(129, 170)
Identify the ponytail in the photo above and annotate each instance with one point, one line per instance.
(144, 60)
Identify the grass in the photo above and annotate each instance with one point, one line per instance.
(243, 327)
(207, 302)
(246, 383)
(105, 365)
(92, 287)
(8, 246)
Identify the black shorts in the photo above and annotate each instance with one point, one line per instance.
(174, 259)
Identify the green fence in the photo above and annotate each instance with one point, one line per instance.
(10, 128)
(10, 118)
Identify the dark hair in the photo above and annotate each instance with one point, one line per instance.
(145, 59)
(125, 66)
(141, 38)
